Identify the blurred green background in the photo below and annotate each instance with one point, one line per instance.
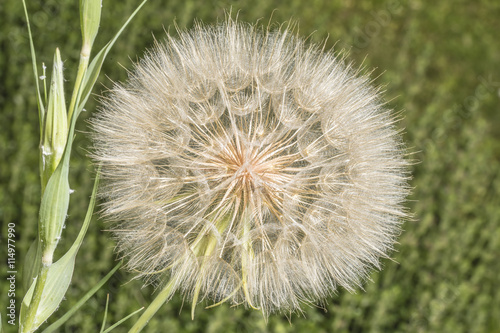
(440, 64)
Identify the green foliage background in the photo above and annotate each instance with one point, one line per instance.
(440, 63)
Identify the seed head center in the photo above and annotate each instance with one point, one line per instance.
(248, 170)
(252, 171)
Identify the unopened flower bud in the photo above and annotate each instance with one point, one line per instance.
(90, 16)
(55, 124)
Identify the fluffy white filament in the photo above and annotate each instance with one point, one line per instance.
(250, 167)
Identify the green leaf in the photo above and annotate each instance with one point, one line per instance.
(121, 321)
(58, 275)
(53, 209)
(32, 263)
(57, 282)
(90, 293)
(95, 66)
(105, 314)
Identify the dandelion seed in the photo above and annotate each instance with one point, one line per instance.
(247, 166)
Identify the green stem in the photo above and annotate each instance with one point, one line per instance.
(82, 68)
(246, 256)
(200, 247)
(146, 316)
(29, 322)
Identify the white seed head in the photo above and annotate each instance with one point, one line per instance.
(250, 167)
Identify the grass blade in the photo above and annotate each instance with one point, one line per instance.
(105, 314)
(122, 320)
(41, 110)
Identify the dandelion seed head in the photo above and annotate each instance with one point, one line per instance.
(249, 166)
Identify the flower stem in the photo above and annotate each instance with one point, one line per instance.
(29, 323)
(162, 297)
(82, 68)
(246, 256)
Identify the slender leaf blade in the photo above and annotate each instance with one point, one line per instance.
(41, 111)
(122, 320)
(105, 314)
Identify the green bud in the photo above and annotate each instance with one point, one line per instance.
(55, 125)
(90, 16)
